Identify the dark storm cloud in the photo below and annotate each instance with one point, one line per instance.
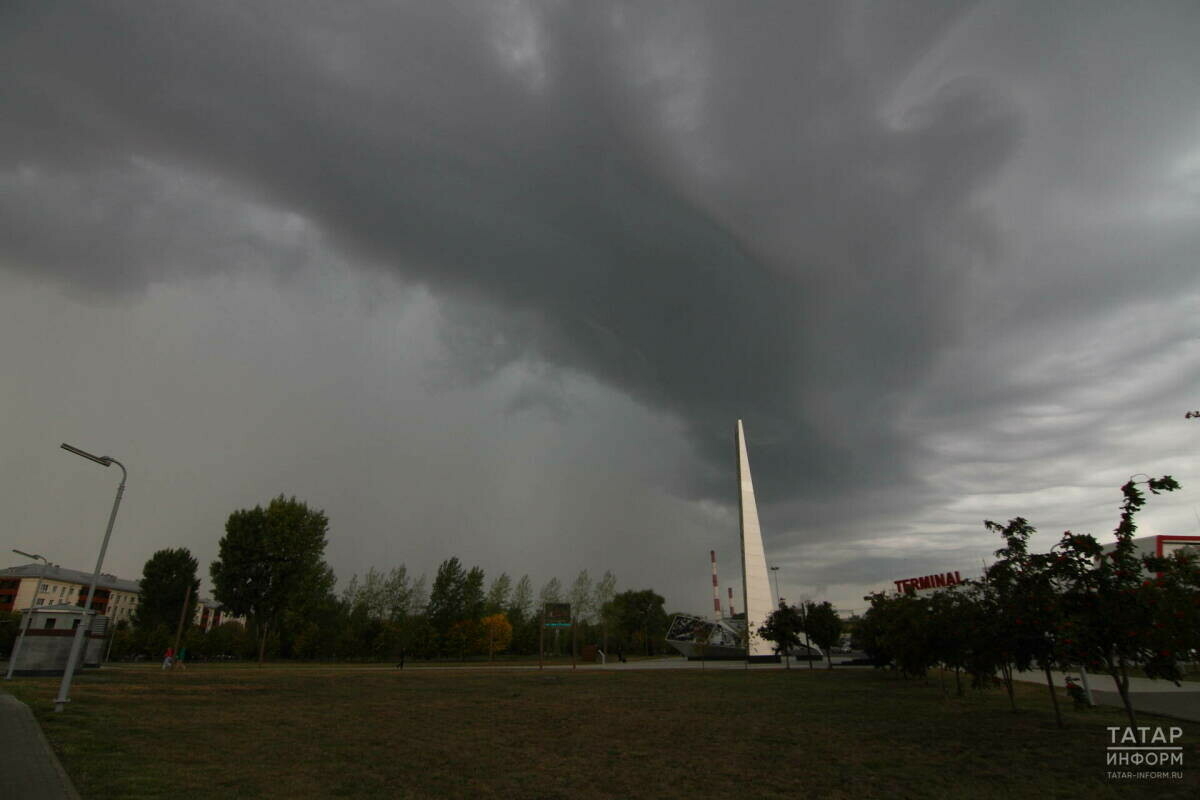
(781, 212)
(812, 288)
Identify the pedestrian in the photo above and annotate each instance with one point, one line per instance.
(1077, 694)
(180, 657)
(401, 664)
(169, 658)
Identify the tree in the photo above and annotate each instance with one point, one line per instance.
(473, 596)
(1029, 596)
(498, 592)
(1114, 615)
(824, 627)
(524, 621)
(949, 616)
(446, 597)
(551, 592)
(418, 598)
(638, 617)
(271, 561)
(782, 628)
(870, 635)
(397, 594)
(498, 631)
(580, 597)
(166, 577)
(521, 603)
(605, 589)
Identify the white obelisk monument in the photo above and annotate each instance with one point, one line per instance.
(756, 587)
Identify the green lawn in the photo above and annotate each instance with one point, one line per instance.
(233, 732)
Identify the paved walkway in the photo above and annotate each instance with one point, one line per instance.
(1152, 696)
(29, 770)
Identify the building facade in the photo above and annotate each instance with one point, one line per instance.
(27, 587)
(1161, 545)
(46, 645)
(209, 614)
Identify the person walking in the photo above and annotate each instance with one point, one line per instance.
(169, 658)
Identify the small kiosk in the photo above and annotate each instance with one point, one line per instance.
(47, 642)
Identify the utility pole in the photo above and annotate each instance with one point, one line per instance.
(85, 622)
(37, 589)
(187, 597)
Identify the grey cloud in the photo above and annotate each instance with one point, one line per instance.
(417, 149)
(827, 219)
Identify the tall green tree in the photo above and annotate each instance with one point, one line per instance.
(474, 598)
(605, 590)
(521, 604)
(1031, 600)
(782, 628)
(418, 598)
(398, 594)
(552, 592)
(497, 594)
(167, 577)
(446, 599)
(521, 614)
(1113, 612)
(271, 561)
(639, 618)
(824, 627)
(580, 597)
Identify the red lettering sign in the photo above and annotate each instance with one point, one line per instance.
(935, 581)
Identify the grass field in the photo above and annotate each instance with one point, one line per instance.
(232, 732)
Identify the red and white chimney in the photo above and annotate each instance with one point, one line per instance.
(716, 588)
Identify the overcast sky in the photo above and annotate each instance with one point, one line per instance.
(495, 280)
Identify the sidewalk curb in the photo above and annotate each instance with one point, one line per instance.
(13, 706)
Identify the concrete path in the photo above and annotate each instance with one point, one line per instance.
(29, 770)
(1152, 696)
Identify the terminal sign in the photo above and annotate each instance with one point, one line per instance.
(938, 581)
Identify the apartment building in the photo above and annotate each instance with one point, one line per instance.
(27, 586)
(208, 614)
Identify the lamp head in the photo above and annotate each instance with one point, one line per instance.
(102, 460)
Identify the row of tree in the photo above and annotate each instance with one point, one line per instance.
(808, 623)
(1114, 612)
(271, 570)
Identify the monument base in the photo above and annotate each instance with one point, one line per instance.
(771, 659)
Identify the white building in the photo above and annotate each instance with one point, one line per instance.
(1160, 545)
(210, 614)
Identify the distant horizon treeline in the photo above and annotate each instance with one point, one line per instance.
(271, 571)
(384, 615)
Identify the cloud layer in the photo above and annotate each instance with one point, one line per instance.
(934, 255)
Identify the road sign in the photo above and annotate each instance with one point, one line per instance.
(557, 615)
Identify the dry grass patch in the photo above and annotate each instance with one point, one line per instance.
(220, 732)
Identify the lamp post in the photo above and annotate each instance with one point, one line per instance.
(64, 688)
(37, 589)
(646, 627)
(775, 575)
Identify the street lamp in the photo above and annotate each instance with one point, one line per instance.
(64, 688)
(37, 589)
(775, 575)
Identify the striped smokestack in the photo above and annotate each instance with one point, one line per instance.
(716, 588)
(731, 611)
